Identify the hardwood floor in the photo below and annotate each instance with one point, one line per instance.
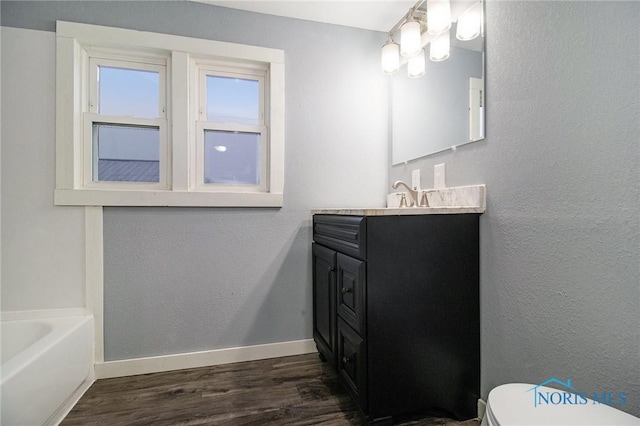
(297, 390)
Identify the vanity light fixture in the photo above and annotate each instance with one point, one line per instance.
(390, 56)
(469, 23)
(410, 37)
(440, 47)
(416, 65)
(438, 16)
(420, 27)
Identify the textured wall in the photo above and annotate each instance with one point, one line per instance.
(42, 245)
(178, 280)
(560, 271)
(560, 240)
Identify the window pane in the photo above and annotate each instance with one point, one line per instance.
(231, 157)
(232, 100)
(128, 92)
(126, 153)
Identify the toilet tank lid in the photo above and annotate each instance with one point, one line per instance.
(519, 404)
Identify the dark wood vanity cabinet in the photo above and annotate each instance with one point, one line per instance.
(324, 302)
(396, 311)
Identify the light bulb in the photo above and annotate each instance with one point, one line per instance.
(410, 40)
(440, 47)
(469, 23)
(416, 65)
(390, 57)
(438, 16)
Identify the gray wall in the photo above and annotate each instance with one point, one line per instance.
(42, 245)
(560, 241)
(180, 280)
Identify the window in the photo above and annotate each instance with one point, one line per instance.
(147, 119)
(125, 136)
(231, 133)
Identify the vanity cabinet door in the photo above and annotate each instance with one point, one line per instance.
(324, 301)
(351, 292)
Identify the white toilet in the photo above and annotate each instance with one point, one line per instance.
(513, 404)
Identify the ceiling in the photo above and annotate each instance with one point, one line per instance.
(377, 15)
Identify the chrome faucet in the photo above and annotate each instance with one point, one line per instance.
(418, 197)
(413, 194)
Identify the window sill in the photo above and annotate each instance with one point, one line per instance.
(138, 198)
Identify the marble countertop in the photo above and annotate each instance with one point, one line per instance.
(456, 200)
(397, 211)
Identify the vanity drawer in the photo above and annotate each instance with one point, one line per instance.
(352, 363)
(346, 234)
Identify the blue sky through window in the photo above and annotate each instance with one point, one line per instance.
(129, 92)
(232, 100)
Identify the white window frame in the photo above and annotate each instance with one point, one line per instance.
(116, 59)
(80, 47)
(202, 69)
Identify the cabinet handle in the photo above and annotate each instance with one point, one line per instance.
(346, 360)
(346, 290)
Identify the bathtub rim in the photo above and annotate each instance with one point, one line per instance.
(52, 314)
(16, 364)
(43, 314)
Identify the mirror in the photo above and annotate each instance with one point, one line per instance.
(442, 109)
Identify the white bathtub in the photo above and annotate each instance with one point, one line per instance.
(46, 366)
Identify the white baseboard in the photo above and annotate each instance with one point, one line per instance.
(482, 407)
(132, 367)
